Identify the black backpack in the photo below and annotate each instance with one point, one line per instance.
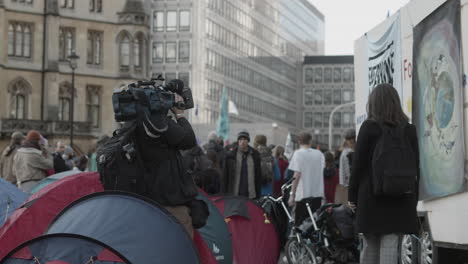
(266, 163)
(119, 163)
(394, 166)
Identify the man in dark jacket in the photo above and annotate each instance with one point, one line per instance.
(159, 139)
(59, 162)
(213, 145)
(242, 171)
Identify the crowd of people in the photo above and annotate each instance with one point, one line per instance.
(29, 158)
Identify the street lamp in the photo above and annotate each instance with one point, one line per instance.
(330, 122)
(73, 61)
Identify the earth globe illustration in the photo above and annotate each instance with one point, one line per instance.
(445, 100)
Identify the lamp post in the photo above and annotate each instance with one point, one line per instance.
(330, 122)
(73, 61)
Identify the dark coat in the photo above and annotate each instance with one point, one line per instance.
(229, 172)
(59, 163)
(169, 183)
(380, 215)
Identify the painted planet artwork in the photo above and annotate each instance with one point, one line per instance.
(438, 106)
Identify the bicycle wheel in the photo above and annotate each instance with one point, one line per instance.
(299, 253)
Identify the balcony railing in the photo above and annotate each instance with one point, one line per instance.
(59, 128)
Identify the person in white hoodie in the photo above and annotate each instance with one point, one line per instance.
(32, 161)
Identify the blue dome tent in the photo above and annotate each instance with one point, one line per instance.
(137, 228)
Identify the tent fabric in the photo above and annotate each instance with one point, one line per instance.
(216, 233)
(136, 227)
(62, 248)
(52, 178)
(254, 240)
(30, 221)
(10, 198)
(204, 252)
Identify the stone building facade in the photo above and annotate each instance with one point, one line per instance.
(110, 36)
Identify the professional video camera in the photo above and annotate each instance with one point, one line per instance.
(161, 98)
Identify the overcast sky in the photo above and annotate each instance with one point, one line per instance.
(347, 20)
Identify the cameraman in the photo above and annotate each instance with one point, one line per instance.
(159, 139)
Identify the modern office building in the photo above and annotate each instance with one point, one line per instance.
(253, 48)
(111, 39)
(327, 82)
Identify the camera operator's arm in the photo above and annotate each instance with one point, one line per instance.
(180, 134)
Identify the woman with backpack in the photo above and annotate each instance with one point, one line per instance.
(385, 208)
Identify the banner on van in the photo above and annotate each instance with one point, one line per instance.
(383, 62)
(437, 102)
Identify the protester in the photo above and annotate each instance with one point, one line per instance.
(382, 219)
(307, 186)
(215, 146)
(32, 161)
(270, 170)
(330, 176)
(8, 155)
(341, 196)
(68, 156)
(92, 162)
(59, 162)
(82, 164)
(242, 174)
(278, 153)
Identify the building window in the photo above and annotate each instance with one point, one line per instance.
(125, 52)
(70, 4)
(66, 42)
(19, 40)
(347, 74)
(169, 76)
(19, 91)
(158, 52)
(327, 96)
(308, 97)
(64, 102)
(171, 21)
(337, 74)
(327, 75)
(346, 119)
(318, 96)
(309, 75)
(347, 96)
(337, 119)
(138, 52)
(170, 52)
(318, 75)
(185, 77)
(184, 51)
(184, 20)
(93, 105)
(95, 6)
(308, 119)
(158, 21)
(94, 47)
(337, 97)
(318, 120)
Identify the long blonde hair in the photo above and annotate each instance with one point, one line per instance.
(278, 152)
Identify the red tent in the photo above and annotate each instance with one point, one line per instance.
(254, 238)
(34, 216)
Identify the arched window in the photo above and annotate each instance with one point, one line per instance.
(125, 52)
(19, 91)
(64, 102)
(138, 49)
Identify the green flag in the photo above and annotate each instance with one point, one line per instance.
(223, 120)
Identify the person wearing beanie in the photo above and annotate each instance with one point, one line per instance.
(242, 173)
(214, 146)
(6, 160)
(341, 195)
(32, 161)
